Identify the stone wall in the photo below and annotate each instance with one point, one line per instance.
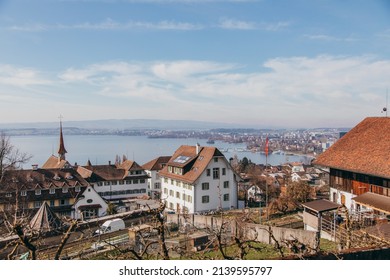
(256, 232)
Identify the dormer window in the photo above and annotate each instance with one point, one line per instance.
(38, 192)
(23, 193)
(56, 177)
(52, 191)
(64, 189)
(77, 189)
(69, 177)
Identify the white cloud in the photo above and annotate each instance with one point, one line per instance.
(327, 38)
(110, 24)
(297, 90)
(237, 24)
(21, 76)
(233, 24)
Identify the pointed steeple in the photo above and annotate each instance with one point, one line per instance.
(61, 150)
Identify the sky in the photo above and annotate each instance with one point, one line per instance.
(261, 63)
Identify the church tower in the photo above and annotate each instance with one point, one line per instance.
(61, 150)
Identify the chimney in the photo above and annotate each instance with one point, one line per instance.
(197, 148)
(109, 162)
(34, 166)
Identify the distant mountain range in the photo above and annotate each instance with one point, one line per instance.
(122, 124)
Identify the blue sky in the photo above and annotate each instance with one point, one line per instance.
(254, 63)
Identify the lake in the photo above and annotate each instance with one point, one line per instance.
(100, 149)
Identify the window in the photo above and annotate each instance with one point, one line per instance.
(90, 213)
(106, 183)
(184, 197)
(205, 186)
(121, 182)
(142, 181)
(223, 171)
(181, 159)
(37, 204)
(205, 199)
(171, 193)
(38, 192)
(99, 184)
(189, 198)
(170, 205)
(52, 203)
(64, 189)
(52, 191)
(215, 159)
(128, 182)
(23, 193)
(215, 173)
(64, 202)
(8, 194)
(135, 181)
(165, 191)
(226, 184)
(157, 185)
(208, 172)
(114, 183)
(166, 180)
(77, 189)
(177, 195)
(226, 197)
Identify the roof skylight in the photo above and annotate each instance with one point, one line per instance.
(181, 159)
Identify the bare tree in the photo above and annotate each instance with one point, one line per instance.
(10, 156)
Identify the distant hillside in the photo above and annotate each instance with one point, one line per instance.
(122, 124)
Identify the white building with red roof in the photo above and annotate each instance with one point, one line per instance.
(198, 179)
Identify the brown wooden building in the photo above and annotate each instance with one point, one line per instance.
(359, 163)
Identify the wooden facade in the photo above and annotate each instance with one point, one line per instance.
(357, 183)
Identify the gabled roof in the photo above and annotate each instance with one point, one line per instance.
(157, 163)
(55, 162)
(30, 179)
(45, 220)
(96, 173)
(195, 164)
(365, 149)
(101, 172)
(129, 165)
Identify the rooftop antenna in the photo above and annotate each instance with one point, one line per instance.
(384, 110)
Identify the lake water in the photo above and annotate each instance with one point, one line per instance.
(100, 149)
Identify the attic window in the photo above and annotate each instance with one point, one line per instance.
(69, 177)
(181, 159)
(38, 192)
(56, 177)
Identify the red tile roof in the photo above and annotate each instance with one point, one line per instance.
(157, 163)
(195, 165)
(129, 165)
(41, 178)
(365, 149)
(54, 162)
